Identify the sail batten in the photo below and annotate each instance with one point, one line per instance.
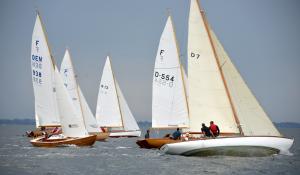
(169, 105)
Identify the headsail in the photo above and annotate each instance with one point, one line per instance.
(253, 119)
(208, 100)
(89, 119)
(68, 74)
(128, 119)
(169, 103)
(46, 112)
(108, 110)
(71, 122)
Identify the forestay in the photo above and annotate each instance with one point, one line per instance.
(253, 119)
(68, 74)
(46, 112)
(208, 100)
(169, 103)
(108, 111)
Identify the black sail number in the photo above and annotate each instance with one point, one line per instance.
(164, 79)
(195, 55)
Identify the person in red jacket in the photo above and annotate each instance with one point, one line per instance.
(214, 129)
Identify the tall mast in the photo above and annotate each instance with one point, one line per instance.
(180, 67)
(221, 71)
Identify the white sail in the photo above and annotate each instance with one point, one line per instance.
(108, 111)
(69, 77)
(89, 119)
(169, 103)
(129, 121)
(46, 112)
(208, 100)
(253, 119)
(71, 122)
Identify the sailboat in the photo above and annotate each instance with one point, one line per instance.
(68, 74)
(218, 93)
(52, 101)
(169, 101)
(46, 112)
(112, 109)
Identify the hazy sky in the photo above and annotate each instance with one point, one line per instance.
(261, 37)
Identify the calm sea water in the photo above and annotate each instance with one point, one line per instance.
(122, 156)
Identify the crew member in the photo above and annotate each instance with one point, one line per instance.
(177, 134)
(147, 135)
(214, 129)
(206, 131)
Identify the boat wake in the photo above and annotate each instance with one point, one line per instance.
(123, 147)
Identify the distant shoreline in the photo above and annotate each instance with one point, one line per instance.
(32, 122)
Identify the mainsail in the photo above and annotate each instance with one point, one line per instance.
(46, 112)
(112, 108)
(108, 109)
(53, 105)
(253, 119)
(208, 100)
(208, 62)
(169, 103)
(68, 74)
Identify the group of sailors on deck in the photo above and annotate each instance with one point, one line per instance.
(211, 131)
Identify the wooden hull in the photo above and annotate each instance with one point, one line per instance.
(155, 142)
(84, 141)
(101, 136)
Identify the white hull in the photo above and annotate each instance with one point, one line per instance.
(237, 146)
(125, 134)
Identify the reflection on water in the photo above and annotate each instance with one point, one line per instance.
(122, 156)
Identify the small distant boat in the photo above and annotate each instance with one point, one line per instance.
(52, 100)
(169, 99)
(112, 109)
(218, 93)
(68, 74)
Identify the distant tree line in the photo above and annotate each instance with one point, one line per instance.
(141, 123)
(17, 121)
